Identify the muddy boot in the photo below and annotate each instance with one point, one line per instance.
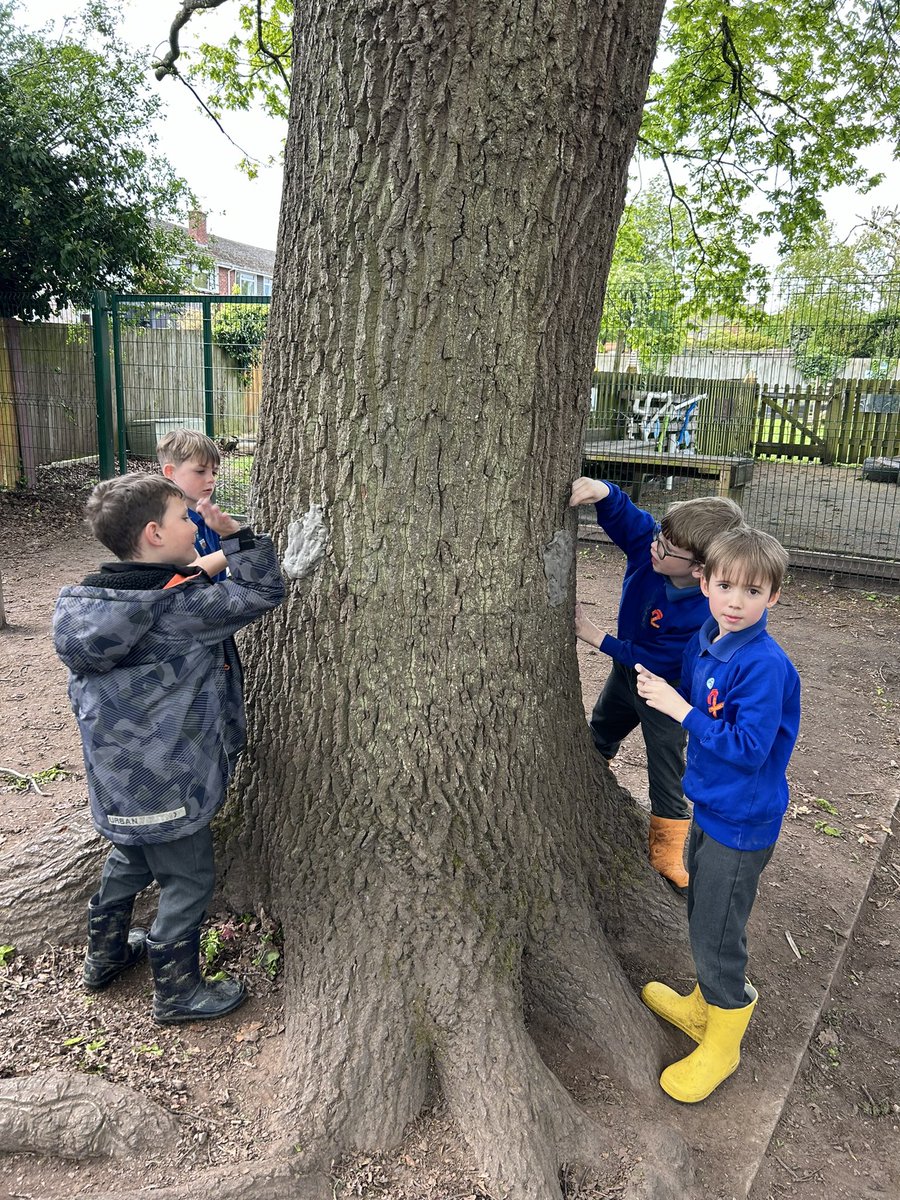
(667, 838)
(112, 946)
(180, 991)
(687, 1013)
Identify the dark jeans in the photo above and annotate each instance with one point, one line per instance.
(617, 712)
(185, 871)
(721, 892)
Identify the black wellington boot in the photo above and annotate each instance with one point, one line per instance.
(113, 947)
(180, 991)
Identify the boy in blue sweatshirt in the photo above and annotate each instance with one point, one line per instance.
(740, 703)
(192, 460)
(661, 608)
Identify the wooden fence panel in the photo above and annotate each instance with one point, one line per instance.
(163, 378)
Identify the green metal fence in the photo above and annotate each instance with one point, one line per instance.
(683, 403)
(180, 361)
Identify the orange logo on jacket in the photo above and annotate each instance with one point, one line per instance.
(656, 617)
(713, 703)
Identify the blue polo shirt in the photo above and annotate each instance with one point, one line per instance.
(742, 729)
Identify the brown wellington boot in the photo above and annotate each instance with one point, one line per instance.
(667, 838)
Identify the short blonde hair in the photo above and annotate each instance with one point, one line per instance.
(747, 556)
(187, 445)
(692, 524)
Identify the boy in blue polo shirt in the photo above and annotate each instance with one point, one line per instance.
(661, 608)
(740, 703)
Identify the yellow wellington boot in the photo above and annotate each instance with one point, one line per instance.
(667, 838)
(693, 1078)
(687, 1013)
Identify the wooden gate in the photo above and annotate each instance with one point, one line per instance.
(851, 421)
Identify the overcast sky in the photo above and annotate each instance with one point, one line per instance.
(240, 209)
(247, 211)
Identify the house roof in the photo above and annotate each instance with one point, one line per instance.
(238, 254)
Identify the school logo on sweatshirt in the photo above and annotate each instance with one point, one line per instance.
(713, 704)
(656, 618)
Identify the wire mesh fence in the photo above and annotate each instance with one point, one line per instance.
(190, 362)
(793, 408)
(95, 390)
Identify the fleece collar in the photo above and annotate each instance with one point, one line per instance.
(135, 576)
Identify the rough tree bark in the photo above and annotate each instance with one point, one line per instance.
(420, 802)
(421, 805)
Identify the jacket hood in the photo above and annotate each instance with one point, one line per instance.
(94, 628)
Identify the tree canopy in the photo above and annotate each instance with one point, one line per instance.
(753, 113)
(83, 194)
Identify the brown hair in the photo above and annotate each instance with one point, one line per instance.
(747, 556)
(118, 510)
(187, 445)
(692, 524)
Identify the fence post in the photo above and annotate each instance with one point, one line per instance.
(103, 385)
(209, 400)
(119, 381)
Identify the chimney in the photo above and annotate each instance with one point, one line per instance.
(197, 226)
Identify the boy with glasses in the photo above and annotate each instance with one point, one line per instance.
(660, 610)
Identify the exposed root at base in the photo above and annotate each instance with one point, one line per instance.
(244, 1181)
(516, 1116)
(575, 978)
(81, 1117)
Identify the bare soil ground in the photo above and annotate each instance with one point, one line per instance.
(838, 1134)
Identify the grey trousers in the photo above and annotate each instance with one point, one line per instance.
(619, 710)
(722, 889)
(185, 871)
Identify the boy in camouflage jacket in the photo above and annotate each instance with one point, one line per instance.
(155, 684)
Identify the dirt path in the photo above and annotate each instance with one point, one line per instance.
(842, 1118)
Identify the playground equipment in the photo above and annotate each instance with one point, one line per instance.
(664, 419)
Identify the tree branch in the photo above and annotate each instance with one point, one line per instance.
(166, 65)
(264, 49)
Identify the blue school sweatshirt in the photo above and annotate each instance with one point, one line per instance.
(742, 728)
(656, 619)
(206, 540)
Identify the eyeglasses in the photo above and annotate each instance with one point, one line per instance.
(663, 550)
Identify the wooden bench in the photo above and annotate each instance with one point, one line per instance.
(629, 463)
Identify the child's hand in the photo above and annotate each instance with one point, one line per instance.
(218, 521)
(660, 695)
(587, 491)
(586, 630)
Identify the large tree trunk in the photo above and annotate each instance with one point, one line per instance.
(431, 822)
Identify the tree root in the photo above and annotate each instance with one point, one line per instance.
(81, 1117)
(358, 1071)
(516, 1116)
(242, 1181)
(573, 976)
(44, 888)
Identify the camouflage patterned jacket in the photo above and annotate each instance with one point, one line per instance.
(155, 684)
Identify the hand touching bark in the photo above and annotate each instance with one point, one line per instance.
(585, 629)
(587, 491)
(660, 695)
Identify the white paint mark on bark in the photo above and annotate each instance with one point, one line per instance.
(307, 540)
(559, 554)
